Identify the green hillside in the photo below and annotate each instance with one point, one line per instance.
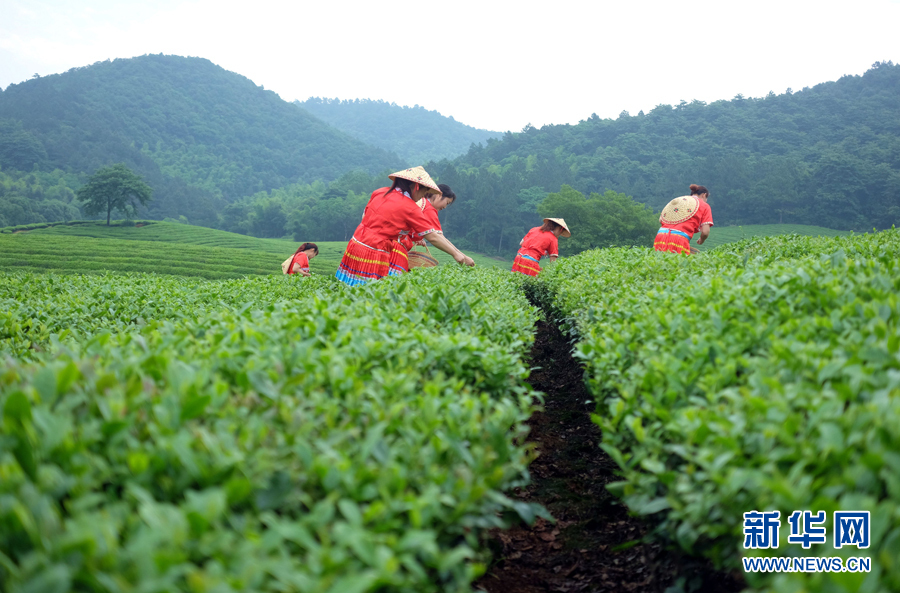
(415, 133)
(165, 248)
(827, 155)
(732, 234)
(202, 136)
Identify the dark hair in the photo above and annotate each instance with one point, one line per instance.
(402, 185)
(697, 190)
(306, 246)
(551, 226)
(447, 192)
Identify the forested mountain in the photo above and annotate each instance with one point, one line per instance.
(225, 153)
(200, 135)
(827, 155)
(415, 133)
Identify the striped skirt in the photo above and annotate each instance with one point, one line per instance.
(526, 264)
(399, 259)
(672, 240)
(362, 264)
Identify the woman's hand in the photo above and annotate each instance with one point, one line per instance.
(463, 259)
(442, 243)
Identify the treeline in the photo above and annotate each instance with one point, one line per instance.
(331, 212)
(49, 196)
(315, 211)
(27, 198)
(321, 211)
(827, 156)
(416, 134)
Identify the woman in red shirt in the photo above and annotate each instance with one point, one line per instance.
(538, 242)
(299, 264)
(430, 208)
(681, 218)
(389, 211)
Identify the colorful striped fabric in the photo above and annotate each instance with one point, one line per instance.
(399, 262)
(525, 264)
(672, 240)
(362, 264)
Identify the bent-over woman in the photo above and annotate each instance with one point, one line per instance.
(539, 242)
(389, 211)
(430, 208)
(299, 263)
(681, 218)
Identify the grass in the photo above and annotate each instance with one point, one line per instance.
(730, 234)
(166, 248)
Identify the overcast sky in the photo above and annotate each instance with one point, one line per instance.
(493, 65)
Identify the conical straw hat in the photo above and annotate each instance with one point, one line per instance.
(566, 232)
(417, 175)
(679, 210)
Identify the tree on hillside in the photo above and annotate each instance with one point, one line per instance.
(114, 187)
(610, 219)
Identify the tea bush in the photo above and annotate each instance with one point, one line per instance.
(261, 434)
(762, 375)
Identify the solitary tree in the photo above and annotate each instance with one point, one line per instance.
(114, 187)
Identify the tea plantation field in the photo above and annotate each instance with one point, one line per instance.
(164, 248)
(761, 377)
(262, 434)
(250, 431)
(720, 235)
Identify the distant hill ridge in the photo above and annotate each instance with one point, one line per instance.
(415, 133)
(175, 118)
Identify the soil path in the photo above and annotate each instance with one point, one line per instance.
(594, 545)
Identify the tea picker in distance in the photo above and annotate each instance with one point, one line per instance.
(389, 211)
(538, 242)
(681, 218)
(299, 262)
(400, 256)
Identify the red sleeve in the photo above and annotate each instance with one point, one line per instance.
(705, 214)
(553, 248)
(431, 215)
(415, 219)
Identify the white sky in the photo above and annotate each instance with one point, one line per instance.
(490, 64)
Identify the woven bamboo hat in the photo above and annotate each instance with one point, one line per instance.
(417, 175)
(679, 210)
(566, 232)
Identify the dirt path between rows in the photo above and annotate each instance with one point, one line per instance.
(594, 546)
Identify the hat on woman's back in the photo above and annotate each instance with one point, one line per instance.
(679, 210)
(561, 222)
(416, 175)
